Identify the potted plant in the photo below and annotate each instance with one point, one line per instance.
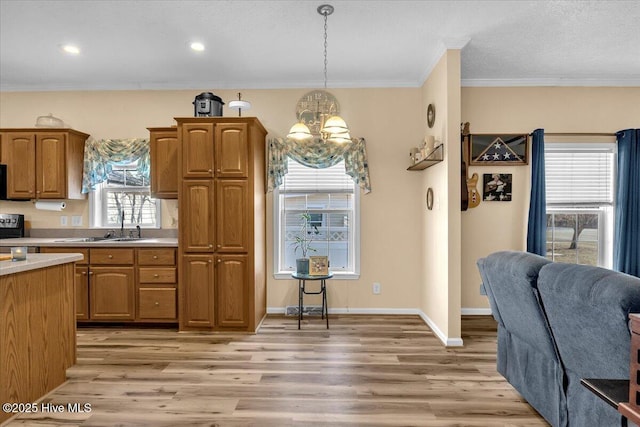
(302, 241)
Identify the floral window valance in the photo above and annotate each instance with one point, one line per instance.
(318, 154)
(101, 155)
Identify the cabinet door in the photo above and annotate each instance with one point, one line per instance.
(197, 150)
(196, 289)
(112, 293)
(163, 147)
(232, 291)
(232, 150)
(19, 153)
(51, 168)
(82, 293)
(197, 215)
(232, 210)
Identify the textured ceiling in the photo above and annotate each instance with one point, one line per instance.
(278, 44)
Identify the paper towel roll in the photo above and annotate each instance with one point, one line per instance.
(50, 206)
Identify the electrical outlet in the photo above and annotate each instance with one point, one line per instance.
(63, 220)
(376, 288)
(76, 220)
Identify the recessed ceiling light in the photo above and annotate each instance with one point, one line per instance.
(71, 49)
(197, 46)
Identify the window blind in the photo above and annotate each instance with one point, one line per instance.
(303, 179)
(579, 176)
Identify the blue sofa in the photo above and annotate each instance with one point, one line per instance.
(558, 323)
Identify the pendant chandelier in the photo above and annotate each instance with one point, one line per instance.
(333, 127)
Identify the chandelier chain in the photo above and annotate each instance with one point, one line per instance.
(325, 50)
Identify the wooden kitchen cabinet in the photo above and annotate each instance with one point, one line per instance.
(222, 223)
(81, 279)
(232, 291)
(231, 150)
(197, 207)
(163, 148)
(157, 285)
(112, 293)
(232, 212)
(125, 284)
(43, 163)
(197, 291)
(197, 149)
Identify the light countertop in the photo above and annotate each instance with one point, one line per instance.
(35, 261)
(77, 242)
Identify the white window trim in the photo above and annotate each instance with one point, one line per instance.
(352, 275)
(97, 209)
(605, 233)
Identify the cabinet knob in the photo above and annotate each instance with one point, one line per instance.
(210, 261)
(91, 273)
(210, 170)
(219, 246)
(84, 273)
(218, 170)
(156, 275)
(155, 257)
(157, 304)
(210, 245)
(110, 256)
(219, 260)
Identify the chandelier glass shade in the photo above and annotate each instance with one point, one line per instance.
(333, 128)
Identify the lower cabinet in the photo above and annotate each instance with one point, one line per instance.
(112, 293)
(197, 288)
(232, 291)
(125, 284)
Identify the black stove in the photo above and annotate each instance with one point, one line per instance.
(11, 226)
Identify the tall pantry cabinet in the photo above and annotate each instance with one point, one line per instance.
(222, 223)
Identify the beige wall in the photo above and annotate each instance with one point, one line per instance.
(389, 120)
(440, 286)
(494, 226)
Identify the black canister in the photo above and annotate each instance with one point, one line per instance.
(207, 104)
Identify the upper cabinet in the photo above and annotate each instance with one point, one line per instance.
(43, 163)
(164, 145)
(197, 151)
(232, 150)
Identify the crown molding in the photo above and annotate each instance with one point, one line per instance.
(550, 82)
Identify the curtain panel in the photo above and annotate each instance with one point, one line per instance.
(317, 154)
(101, 155)
(626, 249)
(537, 225)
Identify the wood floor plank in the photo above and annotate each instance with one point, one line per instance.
(364, 371)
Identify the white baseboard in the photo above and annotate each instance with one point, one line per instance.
(469, 311)
(449, 342)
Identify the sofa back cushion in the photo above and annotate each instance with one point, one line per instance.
(588, 309)
(510, 279)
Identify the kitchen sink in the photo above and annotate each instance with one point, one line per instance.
(81, 239)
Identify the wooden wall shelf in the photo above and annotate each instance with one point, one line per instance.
(434, 157)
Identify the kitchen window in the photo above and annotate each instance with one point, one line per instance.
(331, 199)
(125, 190)
(580, 191)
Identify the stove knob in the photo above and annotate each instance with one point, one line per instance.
(1, 220)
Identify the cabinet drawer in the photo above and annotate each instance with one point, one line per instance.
(156, 256)
(157, 275)
(157, 303)
(111, 256)
(83, 251)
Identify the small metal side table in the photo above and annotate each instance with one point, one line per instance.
(302, 279)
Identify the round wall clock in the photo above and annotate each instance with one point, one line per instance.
(312, 106)
(431, 115)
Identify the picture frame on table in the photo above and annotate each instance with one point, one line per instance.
(318, 265)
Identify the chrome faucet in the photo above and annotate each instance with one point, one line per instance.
(139, 231)
(122, 225)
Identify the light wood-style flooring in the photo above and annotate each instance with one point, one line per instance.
(364, 371)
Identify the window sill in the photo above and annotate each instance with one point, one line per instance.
(336, 275)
